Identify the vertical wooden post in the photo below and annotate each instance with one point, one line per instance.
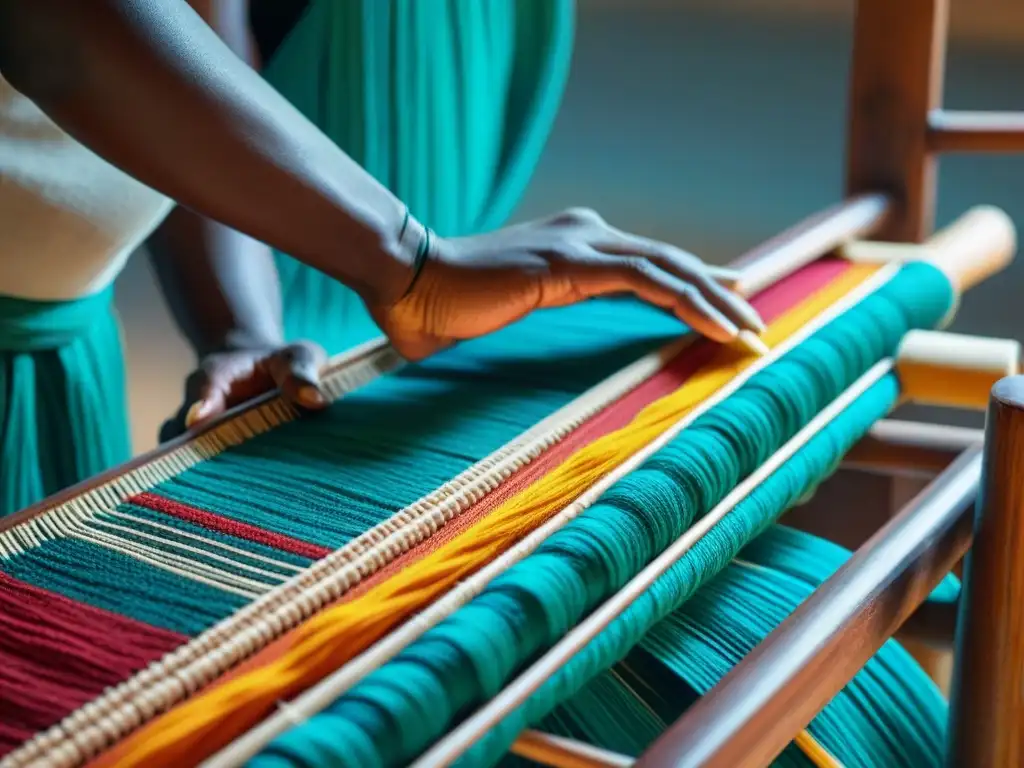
(896, 81)
(987, 713)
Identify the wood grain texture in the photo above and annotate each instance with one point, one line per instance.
(896, 82)
(987, 717)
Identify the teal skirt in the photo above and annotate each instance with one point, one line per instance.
(63, 407)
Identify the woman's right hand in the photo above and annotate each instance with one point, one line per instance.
(471, 286)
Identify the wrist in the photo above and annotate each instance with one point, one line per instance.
(413, 245)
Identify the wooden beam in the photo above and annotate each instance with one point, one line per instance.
(778, 688)
(546, 749)
(915, 448)
(896, 82)
(976, 131)
(987, 714)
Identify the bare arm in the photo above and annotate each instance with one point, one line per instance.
(221, 285)
(149, 86)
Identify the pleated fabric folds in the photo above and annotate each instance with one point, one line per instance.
(63, 407)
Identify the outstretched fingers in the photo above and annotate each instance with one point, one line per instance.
(714, 283)
(601, 274)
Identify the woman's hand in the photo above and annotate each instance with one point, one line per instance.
(227, 379)
(471, 286)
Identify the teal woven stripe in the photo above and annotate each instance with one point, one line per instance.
(114, 582)
(328, 479)
(399, 709)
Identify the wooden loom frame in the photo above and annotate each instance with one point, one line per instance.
(896, 129)
(755, 711)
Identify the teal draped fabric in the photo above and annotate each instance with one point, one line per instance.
(447, 102)
(63, 408)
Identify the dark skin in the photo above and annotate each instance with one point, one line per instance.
(222, 288)
(148, 85)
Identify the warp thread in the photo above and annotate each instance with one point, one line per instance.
(488, 390)
(399, 709)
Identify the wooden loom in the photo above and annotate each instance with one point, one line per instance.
(756, 710)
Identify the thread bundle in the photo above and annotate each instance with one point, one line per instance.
(398, 710)
(288, 496)
(890, 714)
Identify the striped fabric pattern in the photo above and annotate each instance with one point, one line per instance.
(138, 579)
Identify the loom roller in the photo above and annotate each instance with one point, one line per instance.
(988, 236)
(980, 243)
(934, 368)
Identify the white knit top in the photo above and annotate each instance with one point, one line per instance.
(68, 219)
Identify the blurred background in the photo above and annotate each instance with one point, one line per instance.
(711, 124)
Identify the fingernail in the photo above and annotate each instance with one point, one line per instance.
(755, 321)
(749, 316)
(196, 412)
(311, 397)
(753, 343)
(727, 325)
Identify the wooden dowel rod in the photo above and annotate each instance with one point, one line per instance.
(808, 240)
(987, 714)
(914, 448)
(979, 244)
(975, 131)
(459, 740)
(759, 706)
(559, 752)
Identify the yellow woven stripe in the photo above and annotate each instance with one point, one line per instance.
(328, 640)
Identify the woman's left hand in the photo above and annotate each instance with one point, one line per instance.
(228, 379)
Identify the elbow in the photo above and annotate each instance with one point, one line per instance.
(37, 52)
(20, 74)
(46, 82)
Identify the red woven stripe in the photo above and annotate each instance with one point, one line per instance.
(221, 524)
(57, 654)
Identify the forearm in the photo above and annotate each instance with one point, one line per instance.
(220, 285)
(148, 85)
